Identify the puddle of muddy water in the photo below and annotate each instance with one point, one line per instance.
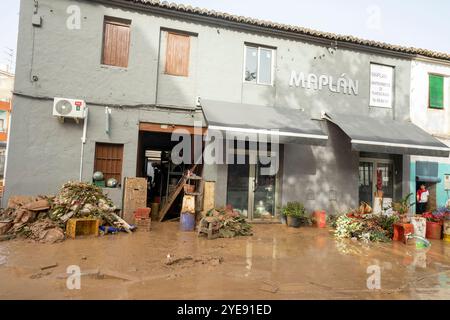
(276, 263)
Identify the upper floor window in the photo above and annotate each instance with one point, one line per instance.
(381, 86)
(436, 91)
(177, 54)
(116, 42)
(259, 62)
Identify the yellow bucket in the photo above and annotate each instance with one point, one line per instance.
(447, 237)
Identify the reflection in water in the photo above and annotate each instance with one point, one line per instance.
(3, 256)
(248, 257)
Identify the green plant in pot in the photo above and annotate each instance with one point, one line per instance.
(401, 208)
(295, 213)
(282, 215)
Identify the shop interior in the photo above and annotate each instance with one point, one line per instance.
(162, 174)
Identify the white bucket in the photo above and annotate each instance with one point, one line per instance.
(420, 226)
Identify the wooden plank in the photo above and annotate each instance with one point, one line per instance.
(166, 128)
(135, 196)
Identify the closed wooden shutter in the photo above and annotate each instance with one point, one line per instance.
(177, 54)
(108, 159)
(116, 42)
(436, 91)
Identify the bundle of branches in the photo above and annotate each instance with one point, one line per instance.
(230, 223)
(368, 227)
(80, 199)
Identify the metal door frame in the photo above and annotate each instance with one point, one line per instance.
(375, 162)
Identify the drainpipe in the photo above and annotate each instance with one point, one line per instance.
(83, 142)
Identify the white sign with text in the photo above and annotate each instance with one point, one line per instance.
(381, 86)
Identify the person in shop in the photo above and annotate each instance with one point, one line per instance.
(422, 199)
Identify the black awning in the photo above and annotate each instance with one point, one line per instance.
(388, 136)
(243, 120)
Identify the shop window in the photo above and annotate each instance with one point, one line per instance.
(116, 42)
(436, 91)
(259, 63)
(177, 54)
(108, 160)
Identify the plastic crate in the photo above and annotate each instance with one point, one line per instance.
(82, 227)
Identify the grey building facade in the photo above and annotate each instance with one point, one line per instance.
(59, 58)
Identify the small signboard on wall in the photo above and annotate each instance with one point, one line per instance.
(381, 86)
(447, 182)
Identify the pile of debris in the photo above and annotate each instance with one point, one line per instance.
(227, 223)
(44, 218)
(366, 227)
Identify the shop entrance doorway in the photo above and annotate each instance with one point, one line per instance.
(376, 183)
(251, 192)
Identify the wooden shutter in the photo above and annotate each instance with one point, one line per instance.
(436, 92)
(108, 159)
(116, 42)
(177, 54)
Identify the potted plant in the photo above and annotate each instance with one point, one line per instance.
(282, 214)
(403, 227)
(401, 208)
(435, 222)
(295, 213)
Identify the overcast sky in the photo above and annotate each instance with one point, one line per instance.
(417, 23)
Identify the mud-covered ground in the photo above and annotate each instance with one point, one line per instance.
(276, 263)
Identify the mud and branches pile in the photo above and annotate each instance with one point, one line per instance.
(229, 223)
(368, 227)
(43, 218)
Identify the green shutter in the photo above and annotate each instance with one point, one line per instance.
(436, 91)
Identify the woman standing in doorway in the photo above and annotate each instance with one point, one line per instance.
(422, 199)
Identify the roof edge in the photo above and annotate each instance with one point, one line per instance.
(268, 27)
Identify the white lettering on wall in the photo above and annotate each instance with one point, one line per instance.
(342, 84)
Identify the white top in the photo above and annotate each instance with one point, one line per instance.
(424, 196)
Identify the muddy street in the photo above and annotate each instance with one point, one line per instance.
(276, 263)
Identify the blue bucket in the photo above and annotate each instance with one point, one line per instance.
(187, 222)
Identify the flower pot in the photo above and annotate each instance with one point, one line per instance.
(434, 230)
(320, 219)
(283, 219)
(401, 230)
(294, 222)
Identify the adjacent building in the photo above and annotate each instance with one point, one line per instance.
(337, 107)
(6, 88)
(430, 110)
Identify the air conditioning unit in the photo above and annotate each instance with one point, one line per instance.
(69, 108)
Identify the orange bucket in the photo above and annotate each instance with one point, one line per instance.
(320, 217)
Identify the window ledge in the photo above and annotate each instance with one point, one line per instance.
(259, 84)
(106, 66)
